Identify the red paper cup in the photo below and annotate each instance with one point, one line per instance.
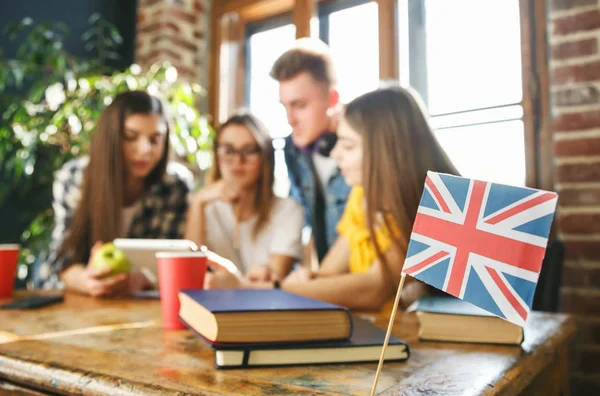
(9, 255)
(176, 271)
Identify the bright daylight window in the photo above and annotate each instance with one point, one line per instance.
(265, 43)
(471, 82)
(353, 37)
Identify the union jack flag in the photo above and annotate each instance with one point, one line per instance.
(481, 242)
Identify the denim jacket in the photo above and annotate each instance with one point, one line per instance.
(303, 186)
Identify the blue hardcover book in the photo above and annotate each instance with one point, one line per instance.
(363, 347)
(262, 316)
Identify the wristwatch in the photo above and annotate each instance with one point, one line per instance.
(276, 285)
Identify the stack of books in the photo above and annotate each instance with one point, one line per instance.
(257, 328)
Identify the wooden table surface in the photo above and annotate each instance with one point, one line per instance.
(117, 347)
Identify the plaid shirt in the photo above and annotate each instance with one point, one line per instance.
(161, 214)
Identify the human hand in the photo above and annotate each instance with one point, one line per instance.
(138, 281)
(300, 275)
(221, 278)
(95, 282)
(227, 192)
(260, 273)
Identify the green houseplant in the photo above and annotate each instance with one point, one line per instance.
(49, 103)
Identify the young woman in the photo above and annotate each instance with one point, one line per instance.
(125, 188)
(238, 216)
(385, 148)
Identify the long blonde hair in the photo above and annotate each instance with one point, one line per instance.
(265, 197)
(398, 143)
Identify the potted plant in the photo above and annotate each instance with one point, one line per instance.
(49, 103)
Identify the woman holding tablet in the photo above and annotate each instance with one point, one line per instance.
(238, 216)
(125, 188)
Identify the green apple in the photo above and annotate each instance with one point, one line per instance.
(109, 256)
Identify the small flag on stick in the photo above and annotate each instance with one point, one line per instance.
(481, 242)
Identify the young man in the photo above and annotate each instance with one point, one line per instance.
(307, 90)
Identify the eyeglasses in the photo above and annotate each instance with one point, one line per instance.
(228, 153)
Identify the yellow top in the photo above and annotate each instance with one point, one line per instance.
(353, 226)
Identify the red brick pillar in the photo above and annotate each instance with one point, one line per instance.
(176, 31)
(574, 30)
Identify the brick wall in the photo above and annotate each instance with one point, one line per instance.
(177, 31)
(574, 33)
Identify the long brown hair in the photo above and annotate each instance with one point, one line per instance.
(398, 144)
(265, 197)
(98, 215)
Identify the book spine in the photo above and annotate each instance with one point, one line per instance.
(246, 357)
(351, 320)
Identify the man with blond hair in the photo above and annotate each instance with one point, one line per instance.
(307, 90)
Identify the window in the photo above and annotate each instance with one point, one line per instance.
(354, 51)
(264, 44)
(464, 58)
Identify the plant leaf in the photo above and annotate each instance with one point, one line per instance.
(95, 17)
(115, 35)
(89, 34)
(112, 55)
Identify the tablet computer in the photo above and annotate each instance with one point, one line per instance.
(141, 252)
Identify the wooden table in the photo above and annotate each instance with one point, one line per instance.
(117, 347)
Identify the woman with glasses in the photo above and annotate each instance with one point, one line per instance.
(238, 216)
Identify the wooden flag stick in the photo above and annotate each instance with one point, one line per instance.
(389, 332)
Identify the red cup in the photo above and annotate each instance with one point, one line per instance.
(9, 255)
(176, 271)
